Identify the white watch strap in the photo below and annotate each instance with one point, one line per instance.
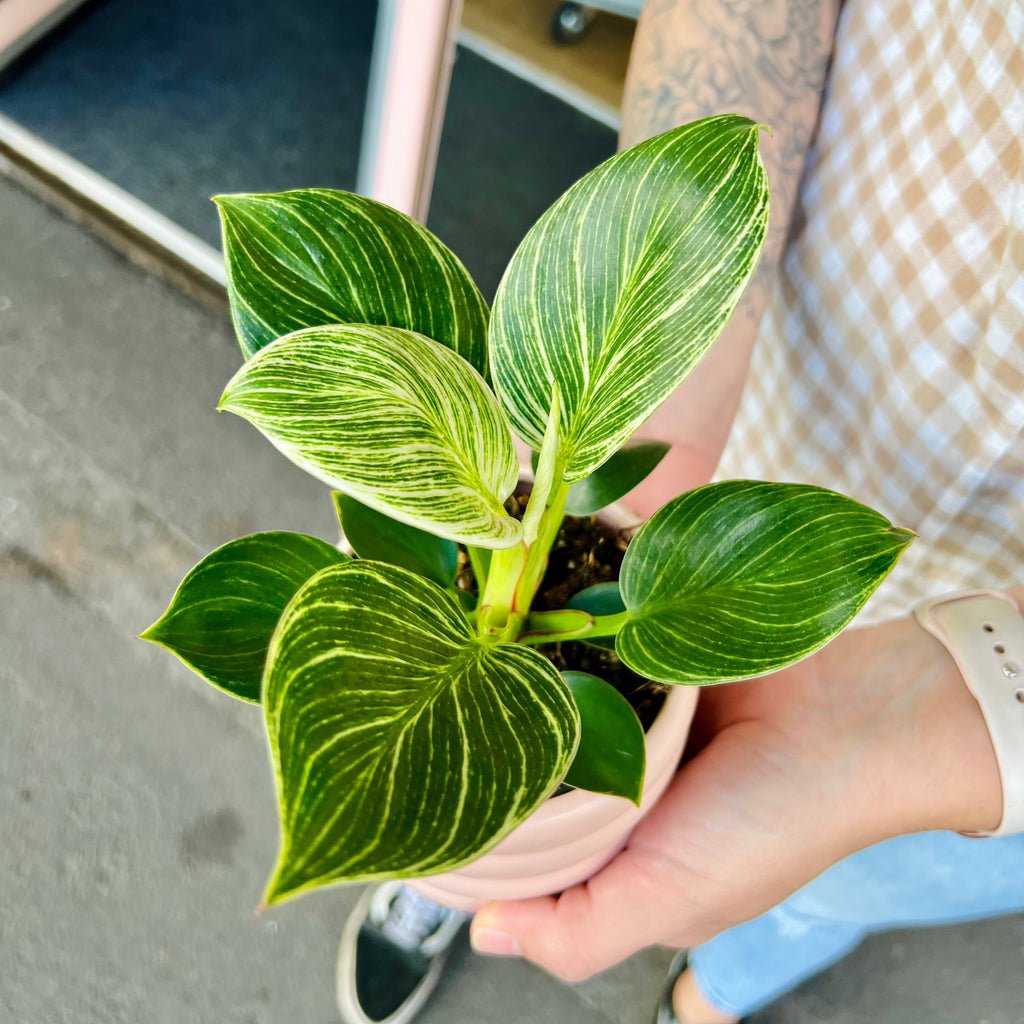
(984, 632)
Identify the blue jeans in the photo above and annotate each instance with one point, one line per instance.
(925, 879)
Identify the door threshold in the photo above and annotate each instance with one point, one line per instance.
(143, 235)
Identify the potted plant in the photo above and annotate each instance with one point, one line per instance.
(412, 721)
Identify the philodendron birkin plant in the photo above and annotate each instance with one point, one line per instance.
(414, 724)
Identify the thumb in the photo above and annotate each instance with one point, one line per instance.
(588, 928)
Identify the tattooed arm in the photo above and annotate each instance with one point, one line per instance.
(766, 59)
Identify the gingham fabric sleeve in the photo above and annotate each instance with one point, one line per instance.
(890, 364)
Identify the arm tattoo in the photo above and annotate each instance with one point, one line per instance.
(766, 59)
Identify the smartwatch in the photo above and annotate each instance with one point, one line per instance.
(984, 632)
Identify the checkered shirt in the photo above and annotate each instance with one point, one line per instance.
(890, 364)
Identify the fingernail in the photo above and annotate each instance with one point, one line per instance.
(491, 942)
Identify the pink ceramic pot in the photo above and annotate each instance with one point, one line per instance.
(574, 835)
(571, 836)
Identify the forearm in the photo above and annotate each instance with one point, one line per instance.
(925, 760)
(691, 59)
(874, 736)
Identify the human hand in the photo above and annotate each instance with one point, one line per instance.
(874, 736)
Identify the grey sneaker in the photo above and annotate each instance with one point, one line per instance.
(666, 1014)
(393, 949)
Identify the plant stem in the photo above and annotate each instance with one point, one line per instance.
(498, 596)
(607, 625)
(561, 624)
(604, 625)
(480, 561)
(537, 555)
(515, 573)
(563, 620)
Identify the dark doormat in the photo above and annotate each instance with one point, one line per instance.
(175, 102)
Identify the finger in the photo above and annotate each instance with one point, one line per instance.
(587, 929)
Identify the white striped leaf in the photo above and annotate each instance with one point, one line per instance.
(222, 616)
(623, 285)
(314, 256)
(741, 578)
(392, 419)
(405, 745)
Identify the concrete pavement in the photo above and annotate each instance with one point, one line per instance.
(136, 802)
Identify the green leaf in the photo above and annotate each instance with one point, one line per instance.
(611, 757)
(390, 418)
(314, 257)
(404, 744)
(380, 538)
(625, 282)
(600, 599)
(741, 578)
(480, 560)
(614, 479)
(222, 616)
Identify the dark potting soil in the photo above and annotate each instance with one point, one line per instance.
(585, 552)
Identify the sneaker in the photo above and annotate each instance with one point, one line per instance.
(666, 1014)
(393, 949)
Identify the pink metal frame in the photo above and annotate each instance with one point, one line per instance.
(412, 64)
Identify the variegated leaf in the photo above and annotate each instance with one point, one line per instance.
(314, 256)
(741, 578)
(404, 744)
(391, 418)
(222, 616)
(623, 285)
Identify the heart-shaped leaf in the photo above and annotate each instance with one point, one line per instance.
(314, 256)
(741, 578)
(613, 480)
(611, 757)
(600, 599)
(625, 282)
(380, 538)
(390, 418)
(222, 617)
(404, 744)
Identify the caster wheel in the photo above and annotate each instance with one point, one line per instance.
(571, 22)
